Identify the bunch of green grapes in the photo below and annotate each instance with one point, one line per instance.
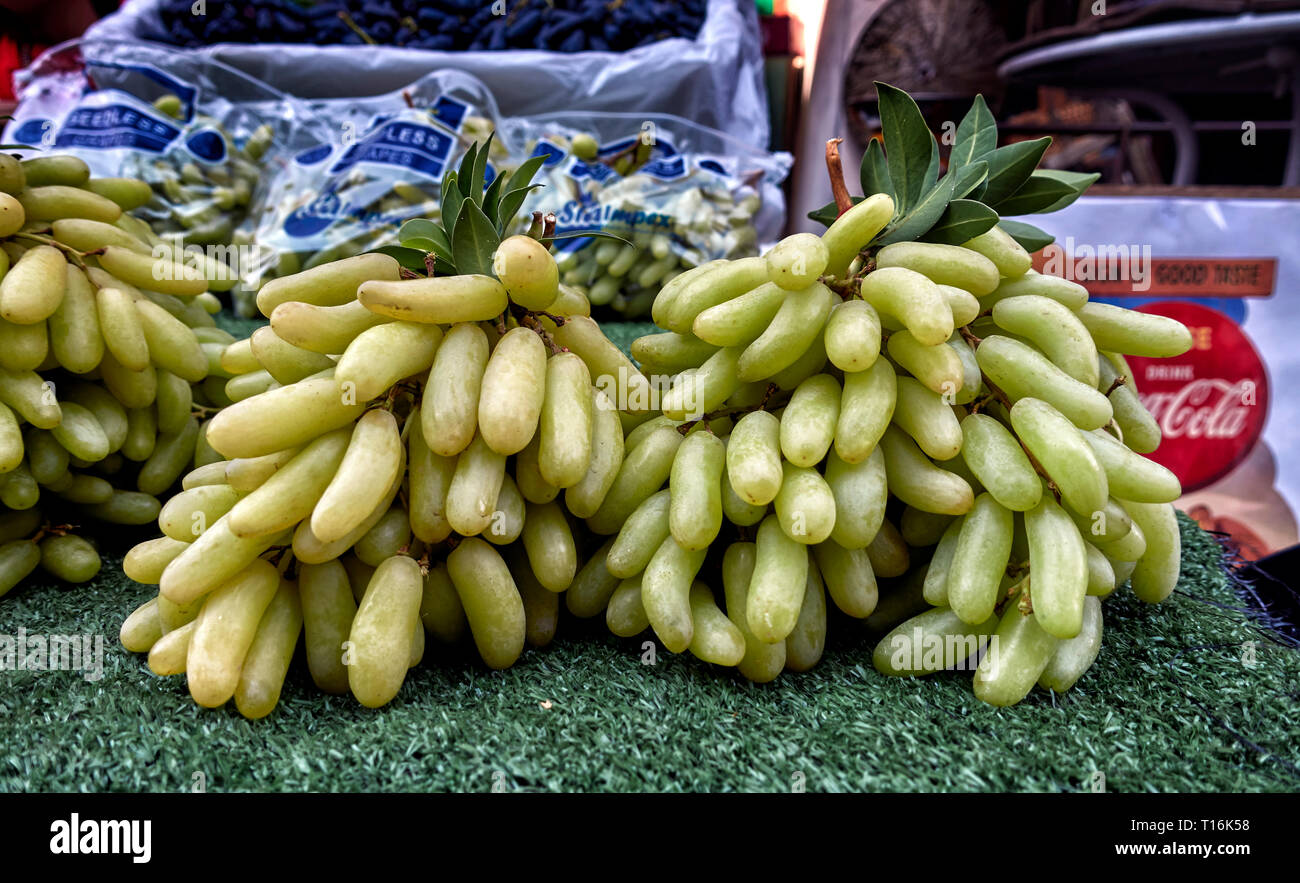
(934, 435)
(402, 456)
(104, 363)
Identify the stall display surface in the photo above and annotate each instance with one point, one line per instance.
(1191, 695)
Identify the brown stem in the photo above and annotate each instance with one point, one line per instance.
(835, 169)
(768, 395)
(1115, 384)
(536, 227)
(969, 336)
(548, 229)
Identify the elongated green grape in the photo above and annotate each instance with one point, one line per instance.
(1110, 524)
(1076, 655)
(527, 271)
(283, 418)
(860, 493)
(69, 558)
(122, 329)
(64, 170)
(695, 491)
(1058, 569)
(642, 533)
(214, 557)
(1065, 292)
(848, 577)
(11, 440)
(612, 372)
(808, 425)
(1014, 663)
(387, 537)
(646, 466)
(169, 655)
(979, 560)
(797, 261)
(284, 361)
(188, 514)
(714, 638)
(18, 558)
(797, 323)
(852, 335)
(322, 329)
(1135, 333)
(1007, 255)
(1053, 328)
(528, 474)
(854, 229)
(866, 408)
(1141, 431)
(80, 433)
(171, 455)
(261, 678)
(584, 498)
(670, 353)
(928, 419)
(594, 585)
(379, 357)
(380, 638)
(513, 392)
(805, 505)
(938, 367)
(1130, 475)
(174, 402)
(736, 510)
(912, 299)
(1000, 464)
(146, 561)
(24, 347)
(805, 644)
(935, 640)
(1066, 457)
(668, 293)
(358, 479)
(945, 264)
(140, 630)
(696, 393)
(779, 581)
(128, 193)
(625, 614)
(440, 610)
(725, 282)
(152, 272)
(18, 490)
(441, 300)
(665, 593)
(1156, 573)
(918, 482)
(309, 548)
(34, 287)
(738, 321)
(449, 411)
(549, 542)
(935, 585)
(430, 476)
(492, 603)
(474, 488)
(225, 630)
(762, 661)
(328, 285)
(31, 397)
(51, 202)
(1022, 372)
(754, 458)
(87, 235)
(1101, 573)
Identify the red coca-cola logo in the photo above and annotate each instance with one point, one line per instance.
(1210, 402)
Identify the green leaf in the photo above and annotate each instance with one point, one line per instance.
(466, 170)
(969, 177)
(1031, 239)
(1010, 167)
(931, 170)
(511, 202)
(874, 173)
(977, 136)
(1078, 181)
(475, 240)
(427, 236)
(523, 176)
(480, 170)
(1035, 195)
(923, 215)
(410, 258)
(829, 212)
(909, 145)
(492, 200)
(517, 191)
(452, 197)
(962, 220)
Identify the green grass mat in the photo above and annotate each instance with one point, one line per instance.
(1169, 706)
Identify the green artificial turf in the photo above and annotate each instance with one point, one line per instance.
(1169, 706)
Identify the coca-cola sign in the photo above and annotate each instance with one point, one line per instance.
(1210, 402)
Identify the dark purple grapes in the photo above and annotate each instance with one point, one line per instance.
(447, 25)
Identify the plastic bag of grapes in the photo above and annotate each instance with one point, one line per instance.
(382, 165)
(202, 135)
(677, 194)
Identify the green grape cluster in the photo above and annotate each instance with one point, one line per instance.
(935, 436)
(103, 365)
(394, 460)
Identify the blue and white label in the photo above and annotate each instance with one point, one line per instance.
(408, 145)
(112, 126)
